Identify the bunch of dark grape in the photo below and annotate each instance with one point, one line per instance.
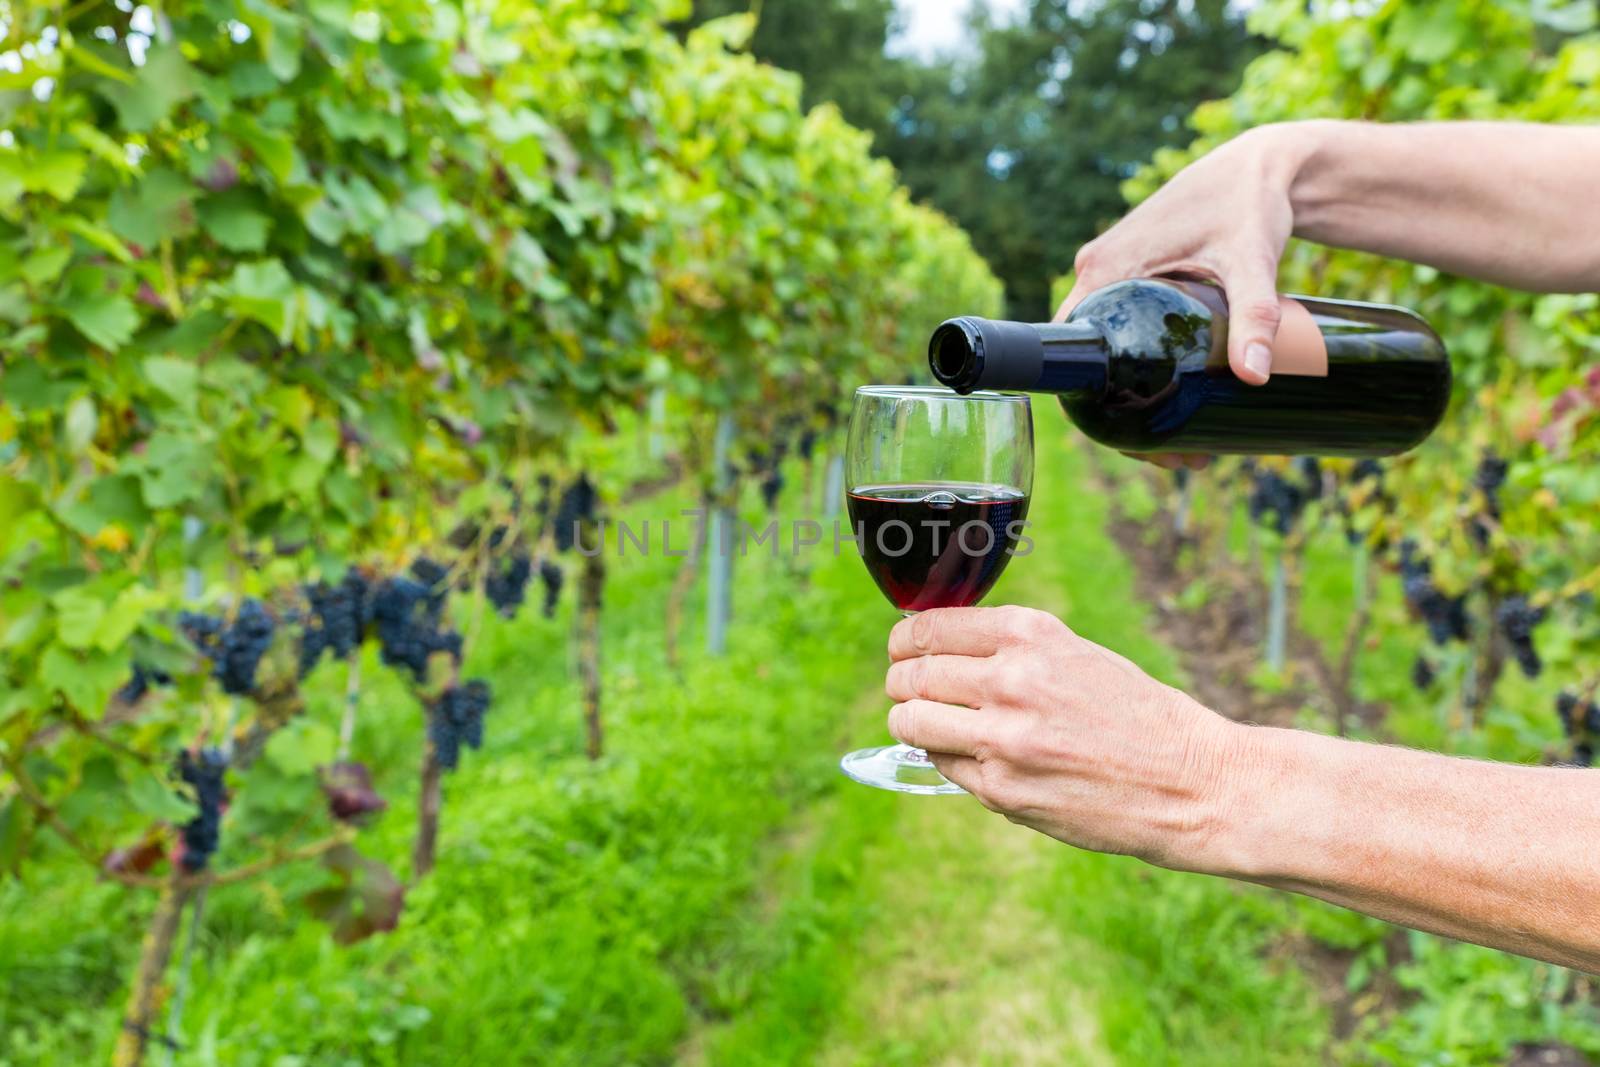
(456, 719)
(1577, 716)
(551, 576)
(408, 630)
(576, 506)
(204, 773)
(1580, 721)
(343, 611)
(348, 787)
(144, 679)
(507, 583)
(1516, 619)
(1489, 477)
(807, 443)
(1423, 674)
(235, 649)
(1445, 616)
(1272, 494)
(772, 488)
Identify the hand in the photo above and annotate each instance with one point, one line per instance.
(1225, 217)
(1059, 734)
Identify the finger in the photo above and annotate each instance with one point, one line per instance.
(1197, 463)
(949, 679)
(1253, 315)
(940, 727)
(962, 770)
(952, 631)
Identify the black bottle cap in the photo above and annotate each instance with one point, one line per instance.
(969, 353)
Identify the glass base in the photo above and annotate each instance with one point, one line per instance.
(900, 768)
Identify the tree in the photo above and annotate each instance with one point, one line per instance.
(1026, 140)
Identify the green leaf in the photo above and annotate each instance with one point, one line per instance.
(114, 498)
(98, 236)
(158, 207)
(45, 265)
(172, 470)
(105, 148)
(301, 747)
(179, 379)
(150, 795)
(126, 615)
(164, 82)
(78, 616)
(58, 173)
(263, 291)
(234, 224)
(107, 319)
(86, 679)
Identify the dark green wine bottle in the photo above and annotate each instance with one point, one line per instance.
(1142, 366)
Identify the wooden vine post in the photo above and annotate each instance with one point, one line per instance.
(722, 521)
(591, 592)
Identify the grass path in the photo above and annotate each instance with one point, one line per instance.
(929, 931)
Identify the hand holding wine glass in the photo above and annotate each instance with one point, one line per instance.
(938, 495)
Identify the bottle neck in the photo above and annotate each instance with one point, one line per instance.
(1075, 358)
(968, 354)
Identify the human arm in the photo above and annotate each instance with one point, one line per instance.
(1512, 203)
(1072, 740)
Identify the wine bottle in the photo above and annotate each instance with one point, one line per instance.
(1142, 366)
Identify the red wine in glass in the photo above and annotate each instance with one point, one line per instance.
(937, 544)
(937, 487)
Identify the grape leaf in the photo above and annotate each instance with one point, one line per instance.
(164, 82)
(107, 319)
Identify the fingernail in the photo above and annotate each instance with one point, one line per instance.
(1258, 359)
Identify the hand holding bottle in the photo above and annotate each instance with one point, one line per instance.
(1225, 217)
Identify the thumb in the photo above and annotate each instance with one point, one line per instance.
(1253, 315)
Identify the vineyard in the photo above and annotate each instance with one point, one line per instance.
(322, 329)
(341, 723)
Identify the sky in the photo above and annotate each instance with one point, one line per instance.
(939, 26)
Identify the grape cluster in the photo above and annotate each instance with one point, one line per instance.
(806, 444)
(408, 625)
(1489, 477)
(456, 719)
(772, 488)
(507, 583)
(1445, 616)
(1517, 618)
(1272, 494)
(1423, 674)
(144, 679)
(1580, 721)
(338, 617)
(577, 506)
(348, 787)
(551, 577)
(204, 773)
(235, 649)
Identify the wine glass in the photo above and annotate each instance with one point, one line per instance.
(937, 487)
